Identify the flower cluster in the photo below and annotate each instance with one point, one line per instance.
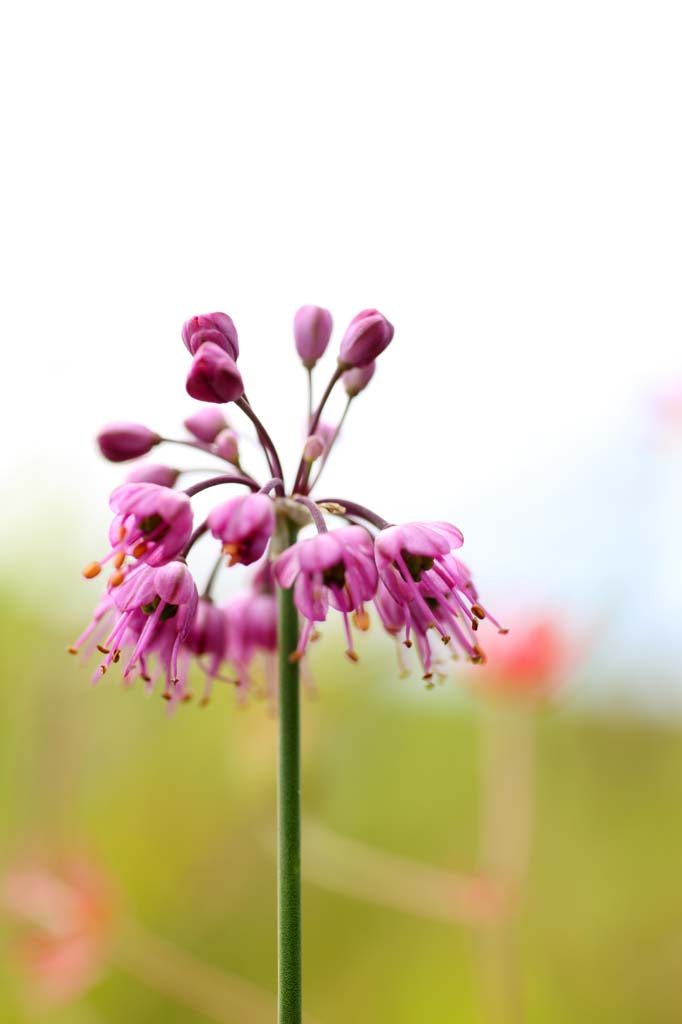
(152, 617)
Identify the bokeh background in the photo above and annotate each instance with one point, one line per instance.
(502, 180)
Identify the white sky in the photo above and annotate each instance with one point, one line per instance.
(502, 180)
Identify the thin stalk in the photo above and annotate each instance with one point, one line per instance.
(317, 516)
(310, 395)
(266, 441)
(215, 480)
(289, 814)
(303, 471)
(356, 510)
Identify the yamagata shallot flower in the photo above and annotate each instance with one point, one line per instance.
(155, 621)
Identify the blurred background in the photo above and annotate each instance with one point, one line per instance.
(502, 181)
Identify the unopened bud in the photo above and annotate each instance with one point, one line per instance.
(312, 331)
(227, 446)
(313, 448)
(217, 328)
(153, 473)
(214, 376)
(206, 423)
(119, 442)
(366, 337)
(357, 378)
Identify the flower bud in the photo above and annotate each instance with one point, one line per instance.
(245, 525)
(313, 448)
(215, 327)
(119, 442)
(227, 446)
(206, 423)
(153, 473)
(214, 376)
(312, 331)
(357, 378)
(366, 337)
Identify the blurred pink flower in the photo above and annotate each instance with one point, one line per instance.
(64, 916)
(532, 661)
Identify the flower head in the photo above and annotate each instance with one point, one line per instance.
(216, 328)
(245, 525)
(335, 568)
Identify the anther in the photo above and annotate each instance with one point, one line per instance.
(92, 570)
(295, 657)
(474, 625)
(407, 643)
(204, 702)
(121, 533)
(119, 559)
(352, 655)
(478, 611)
(116, 578)
(72, 650)
(361, 621)
(166, 696)
(102, 650)
(139, 549)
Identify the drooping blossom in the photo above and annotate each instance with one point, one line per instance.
(334, 568)
(63, 917)
(433, 588)
(207, 640)
(151, 524)
(206, 423)
(119, 442)
(214, 376)
(245, 525)
(366, 337)
(251, 629)
(216, 328)
(312, 331)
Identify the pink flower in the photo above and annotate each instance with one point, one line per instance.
(366, 337)
(531, 662)
(214, 376)
(227, 446)
(357, 378)
(155, 609)
(206, 423)
(245, 525)
(119, 442)
(207, 640)
(433, 589)
(312, 331)
(153, 473)
(152, 524)
(251, 629)
(216, 328)
(335, 568)
(66, 915)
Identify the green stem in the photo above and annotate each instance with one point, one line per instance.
(289, 815)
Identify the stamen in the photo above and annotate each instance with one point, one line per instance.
(116, 578)
(352, 655)
(72, 650)
(119, 559)
(478, 611)
(91, 570)
(232, 551)
(102, 649)
(140, 549)
(361, 620)
(295, 657)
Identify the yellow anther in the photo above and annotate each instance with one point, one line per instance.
(116, 578)
(361, 620)
(92, 570)
(139, 549)
(352, 656)
(119, 559)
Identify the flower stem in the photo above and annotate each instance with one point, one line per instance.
(289, 814)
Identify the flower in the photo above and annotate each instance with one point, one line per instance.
(214, 376)
(312, 331)
(207, 640)
(152, 524)
(366, 337)
(66, 913)
(334, 568)
(206, 423)
(155, 611)
(119, 442)
(153, 473)
(357, 378)
(245, 525)
(531, 662)
(227, 446)
(433, 589)
(251, 628)
(314, 447)
(216, 328)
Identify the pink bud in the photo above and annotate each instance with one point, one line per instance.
(245, 525)
(313, 448)
(206, 423)
(121, 441)
(366, 337)
(357, 378)
(214, 376)
(215, 327)
(312, 331)
(227, 445)
(153, 473)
